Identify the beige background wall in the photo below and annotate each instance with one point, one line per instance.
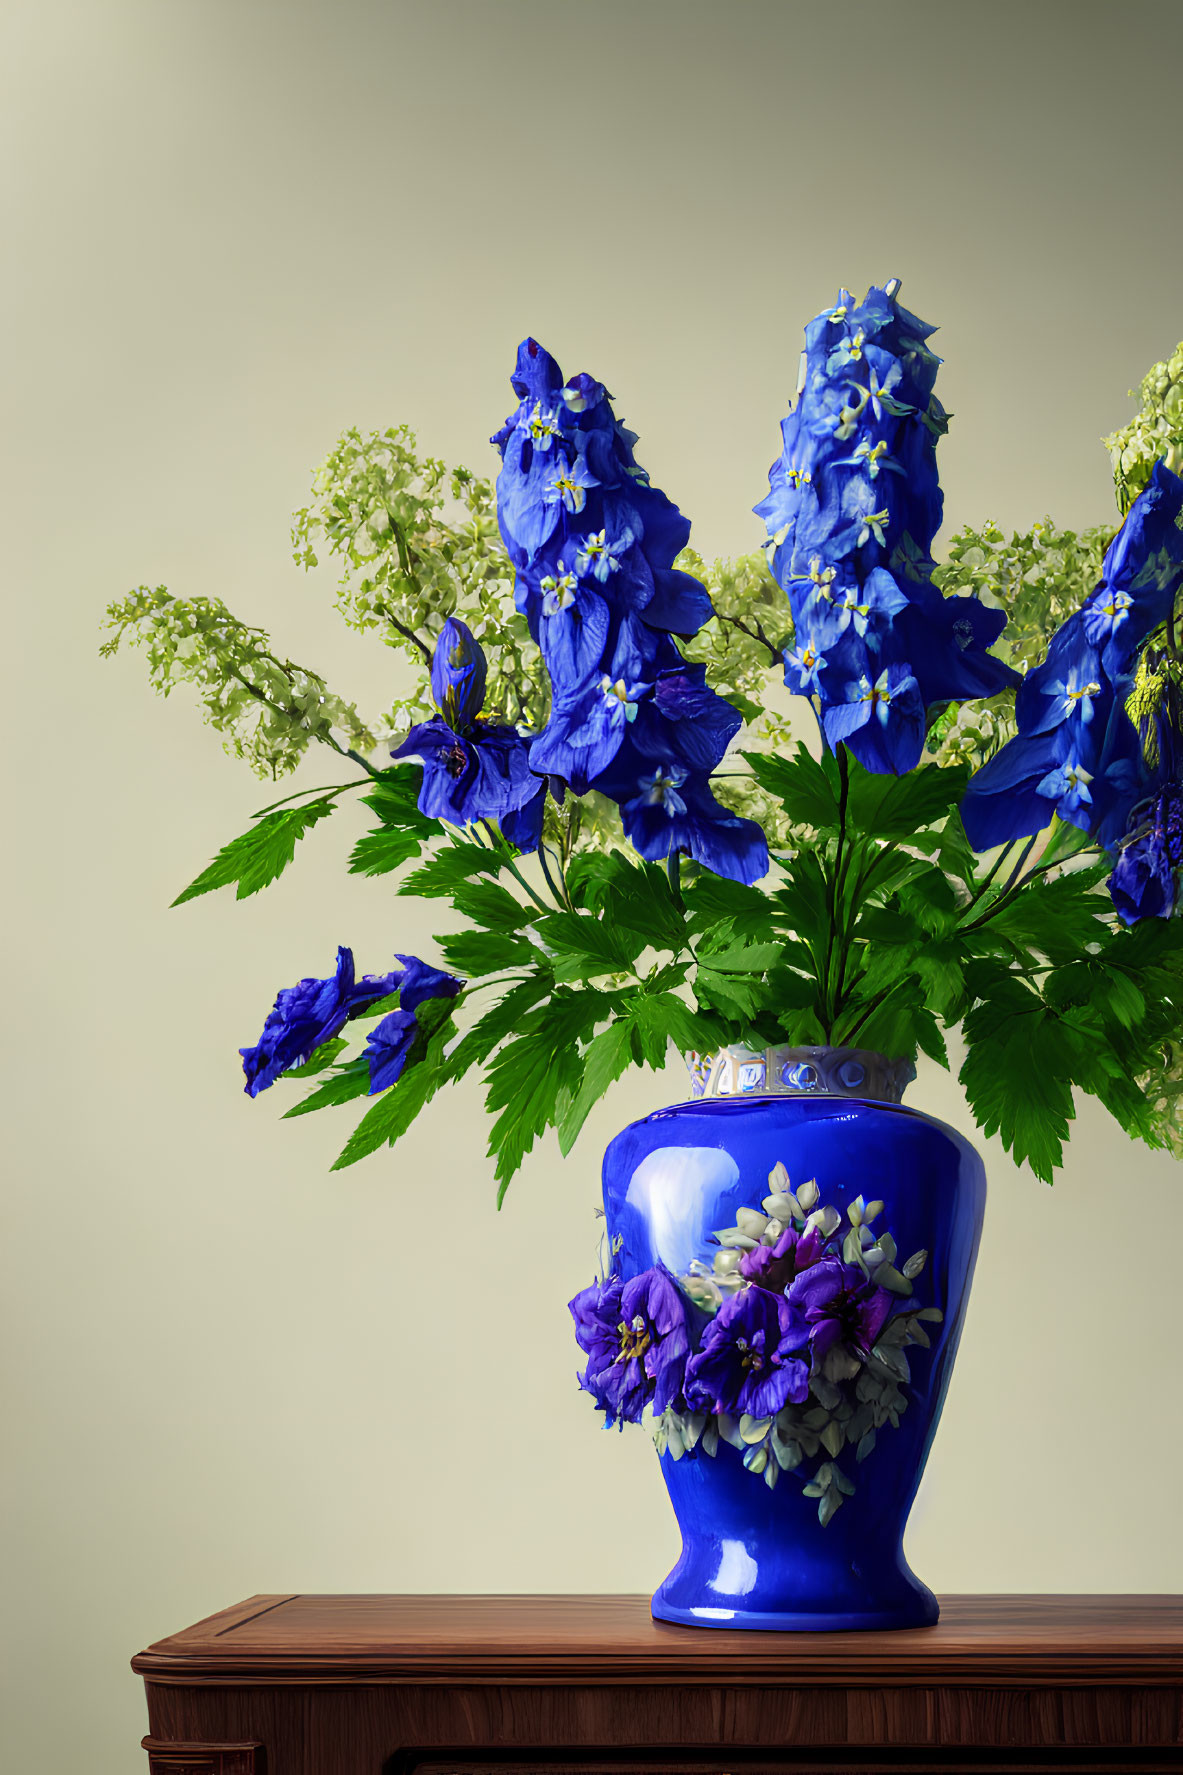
(230, 230)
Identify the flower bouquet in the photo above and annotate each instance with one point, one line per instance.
(967, 816)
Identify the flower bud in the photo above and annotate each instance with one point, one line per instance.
(458, 674)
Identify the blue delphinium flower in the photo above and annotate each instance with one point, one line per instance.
(636, 1338)
(593, 546)
(472, 769)
(1145, 879)
(389, 1043)
(307, 1014)
(852, 508)
(1077, 752)
(744, 1364)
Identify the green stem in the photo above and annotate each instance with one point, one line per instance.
(508, 863)
(984, 887)
(563, 902)
(834, 888)
(311, 795)
(673, 869)
(1004, 900)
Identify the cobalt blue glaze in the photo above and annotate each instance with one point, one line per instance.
(759, 1558)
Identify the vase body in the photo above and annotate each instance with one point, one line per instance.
(756, 1556)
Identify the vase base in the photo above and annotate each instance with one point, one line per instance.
(920, 1610)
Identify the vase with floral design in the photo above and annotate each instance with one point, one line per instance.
(789, 1261)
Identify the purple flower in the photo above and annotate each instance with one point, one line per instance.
(637, 1342)
(307, 1014)
(775, 1266)
(472, 769)
(1145, 879)
(882, 722)
(420, 981)
(745, 1365)
(479, 775)
(389, 1044)
(388, 1047)
(458, 675)
(839, 1313)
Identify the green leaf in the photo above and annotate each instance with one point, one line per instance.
(806, 788)
(880, 806)
(528, 1075)
(929, 897)
(488, 903)
(396, 1107)
(342, 1086)
(1018, 1074)
(394, 798)
(318, 1059)
(750, 958)
(688, 1029)
(736, 996)
(802, 902)
(443, 872)
(1091, 981)
(260, 855)
(383, 850)
(499, 1021)
(954, 853)
(940, 967)
(583, 946)
(476, 953)
(728, 908)
(608, 1055)
(1056, 917)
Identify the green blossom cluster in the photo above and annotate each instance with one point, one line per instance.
(1156, 431)
(418, 543)
(268, 710)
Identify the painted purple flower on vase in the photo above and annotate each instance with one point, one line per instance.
(636, 1338)
(744, 1364)
(776, 1266)
(839, 1313)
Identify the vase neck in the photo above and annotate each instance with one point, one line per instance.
(737, 1071)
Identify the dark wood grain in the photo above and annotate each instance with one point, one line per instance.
(382, 1685)
(613, 1639)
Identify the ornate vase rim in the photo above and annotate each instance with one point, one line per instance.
(740, 1071)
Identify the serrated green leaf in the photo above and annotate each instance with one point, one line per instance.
(882, 806)
(396, 1107)
(929, 897)
(477, 953)
(443, 872)
(498, 1022)
(527, 1075)
(806, 788)
(608, 1055)
(394, 797)
(729, 907)
(743, 958)
(342, 1086)
(733, 994)
(259, 856)
(583, 946)
(489, 904)
(383, 850)
(1018, 1075)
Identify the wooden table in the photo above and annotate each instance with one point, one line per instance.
(575, 1685)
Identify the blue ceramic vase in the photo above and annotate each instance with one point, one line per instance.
(817, 1542)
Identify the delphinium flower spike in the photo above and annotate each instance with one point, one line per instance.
(852, 509)
(593, 546)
